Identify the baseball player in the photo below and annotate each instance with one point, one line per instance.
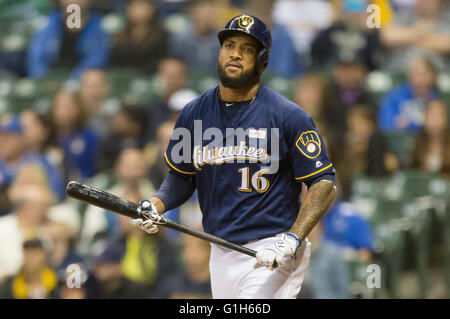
(248, 184)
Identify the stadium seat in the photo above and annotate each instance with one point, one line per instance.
(282, 85)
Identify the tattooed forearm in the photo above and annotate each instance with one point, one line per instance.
(316, 203)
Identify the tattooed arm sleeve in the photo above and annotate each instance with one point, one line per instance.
(316, 203)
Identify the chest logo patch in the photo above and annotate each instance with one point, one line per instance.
(309, 144)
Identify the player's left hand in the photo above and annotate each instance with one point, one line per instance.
(272, 255)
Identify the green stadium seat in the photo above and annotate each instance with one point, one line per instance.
(282, 85)
(416, 183)
(4, 105)
(52, 82)
(141, 89)
(120, 80)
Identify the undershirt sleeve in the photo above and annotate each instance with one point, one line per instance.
(175, 190)
(328, 176)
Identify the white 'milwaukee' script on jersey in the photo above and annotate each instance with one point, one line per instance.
(213, 148)
(218, 155)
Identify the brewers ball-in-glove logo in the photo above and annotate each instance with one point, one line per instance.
(245, 22)
(309, 144)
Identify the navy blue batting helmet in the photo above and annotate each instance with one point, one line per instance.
(254, 27)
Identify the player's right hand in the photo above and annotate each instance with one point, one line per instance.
(146, 225)
(272, 255)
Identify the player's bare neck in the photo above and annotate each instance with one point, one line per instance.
(238, 95)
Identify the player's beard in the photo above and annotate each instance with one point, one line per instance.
(247, 78)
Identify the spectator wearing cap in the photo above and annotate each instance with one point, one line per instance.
(107, 269)
(347, 37)
(402, 109)
(60, 45)
(128, 130)
(30, 197)
(143, 42)
(14, 154)
(36, 279)
(62, 224)
(347, 90)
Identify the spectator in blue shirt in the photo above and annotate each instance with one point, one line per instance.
(284, 60)
(79, 142)
(58, 45)
(14, 154)
(402, 109)
(345, 227)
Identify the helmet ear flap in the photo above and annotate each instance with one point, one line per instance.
(262, 61)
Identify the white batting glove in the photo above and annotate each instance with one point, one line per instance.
(272, 255)
(146, 225)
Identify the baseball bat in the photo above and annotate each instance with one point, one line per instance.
(111, 202)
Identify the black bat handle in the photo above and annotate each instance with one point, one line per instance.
(102, 199)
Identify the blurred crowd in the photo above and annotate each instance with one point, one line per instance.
(326, 49)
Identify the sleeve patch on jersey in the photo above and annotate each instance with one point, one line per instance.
(309, 144)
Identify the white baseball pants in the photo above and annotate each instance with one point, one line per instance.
(233, 275)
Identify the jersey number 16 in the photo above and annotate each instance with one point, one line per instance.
(259, 182)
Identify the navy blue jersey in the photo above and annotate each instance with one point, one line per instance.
(249, 168)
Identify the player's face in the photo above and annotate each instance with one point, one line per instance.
(236, 64)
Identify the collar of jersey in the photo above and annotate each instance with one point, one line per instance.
(239, 103)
